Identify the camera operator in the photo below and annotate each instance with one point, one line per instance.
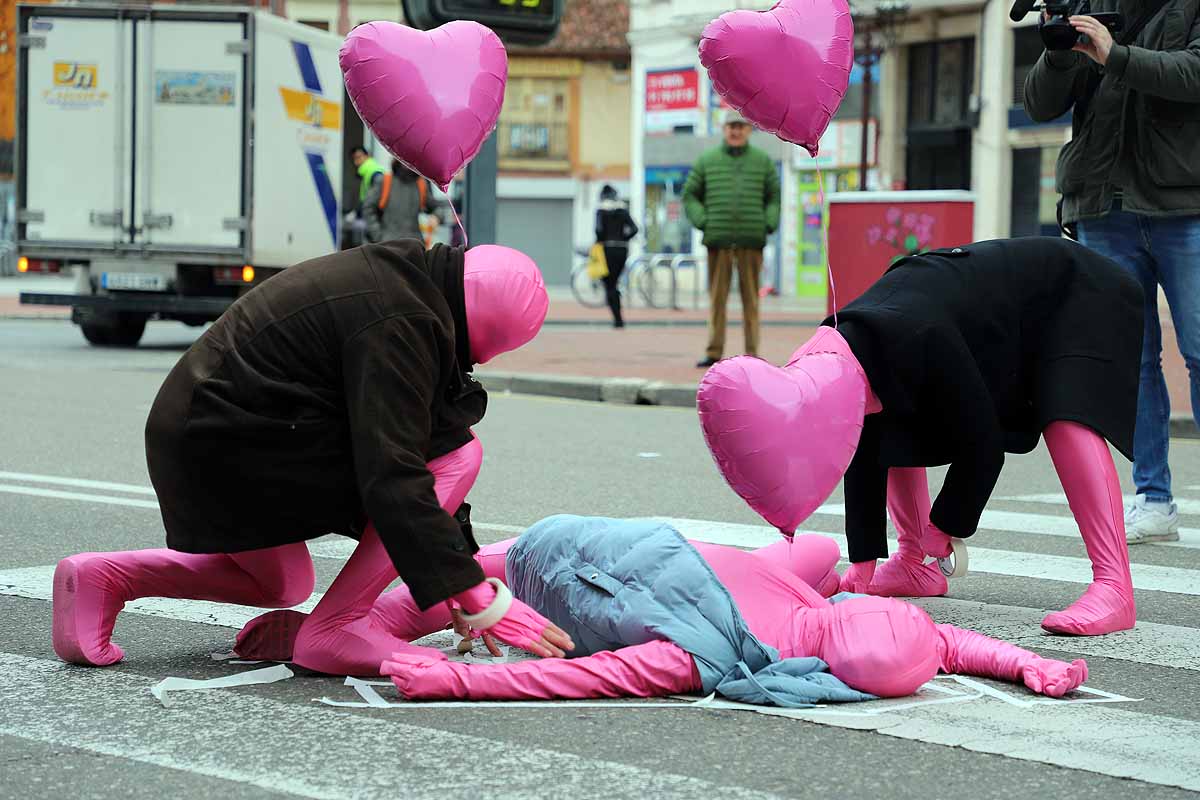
(1130, 185)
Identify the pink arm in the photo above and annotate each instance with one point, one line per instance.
(653, 669)
(971, 653)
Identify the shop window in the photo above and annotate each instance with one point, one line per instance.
(940, 82)
(1034, 199)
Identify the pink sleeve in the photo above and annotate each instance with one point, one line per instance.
(454, 474)
(653, 669)
(970, 653)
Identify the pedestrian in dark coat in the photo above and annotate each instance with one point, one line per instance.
(614, 229)
(333, 398)
(967, 354)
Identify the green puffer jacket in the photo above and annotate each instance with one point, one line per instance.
(732, 195)
(1140, 134)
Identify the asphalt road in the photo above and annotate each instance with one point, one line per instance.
(71, 413)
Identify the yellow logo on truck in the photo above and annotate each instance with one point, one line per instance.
(70, 75)
(311, 109)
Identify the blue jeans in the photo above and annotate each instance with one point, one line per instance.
(1157, 251)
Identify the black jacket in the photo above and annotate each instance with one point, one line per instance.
(614, 226)
(315, 403)
(972, 352)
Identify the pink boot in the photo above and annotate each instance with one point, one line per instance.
(90, 589)
(906, 574)
(1085, 467)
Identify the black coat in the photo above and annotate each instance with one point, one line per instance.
(973, 351)
(314, 403)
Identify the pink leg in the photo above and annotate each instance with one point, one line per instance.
(1085, 467)
(906, 574)
(341, 636)
(90, 589)
(397, 613)
(810, 558)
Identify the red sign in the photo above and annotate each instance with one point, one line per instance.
(865, 237)
(672, 90)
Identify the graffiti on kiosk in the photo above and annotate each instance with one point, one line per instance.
(907, 234)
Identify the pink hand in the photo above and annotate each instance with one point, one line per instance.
(420, 678)
(520, 626)
(1054, 678)
(858, 577)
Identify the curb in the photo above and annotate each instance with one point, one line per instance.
(643, 392)
(678, 323)
(623, 391)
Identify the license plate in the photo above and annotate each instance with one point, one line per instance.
(134, 281)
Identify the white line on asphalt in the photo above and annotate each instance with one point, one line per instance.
(90, 498)
(1045, 524)
(300, 748)
(78, 483)
(1184, 506)
(1173, 646)
(997, 562)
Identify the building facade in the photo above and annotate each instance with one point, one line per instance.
(563, 130)
(943, 111)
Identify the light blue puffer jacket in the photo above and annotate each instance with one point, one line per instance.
(613, 583)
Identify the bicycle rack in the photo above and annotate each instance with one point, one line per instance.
(678, 263)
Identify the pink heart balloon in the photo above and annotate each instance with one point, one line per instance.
(783, 438)
(430, 97)
(786, 70)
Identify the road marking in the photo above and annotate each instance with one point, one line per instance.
(78, 483)
(1184, 506)
(1170, 646)
(90, 498)
(996, 562)
(1173, 646)
(1046, 524)
(98, 711)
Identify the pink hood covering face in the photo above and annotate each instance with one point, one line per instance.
(875, 644)
(783, 437)
(506, 300)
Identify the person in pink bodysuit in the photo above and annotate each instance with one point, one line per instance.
(877, 645)
(333, 393)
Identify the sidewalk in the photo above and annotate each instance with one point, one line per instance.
(652, 360)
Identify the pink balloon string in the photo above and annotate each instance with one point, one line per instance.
(825, 242)
(457, 219)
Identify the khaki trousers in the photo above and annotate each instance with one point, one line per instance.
(721, 261)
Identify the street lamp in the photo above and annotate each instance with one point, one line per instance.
(879, 28)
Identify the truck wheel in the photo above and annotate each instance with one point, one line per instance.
(115, 330)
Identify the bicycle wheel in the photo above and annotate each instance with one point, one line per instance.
(588, 292)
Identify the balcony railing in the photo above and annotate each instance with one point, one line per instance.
(534, 144)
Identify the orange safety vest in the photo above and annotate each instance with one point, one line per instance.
(422, 191)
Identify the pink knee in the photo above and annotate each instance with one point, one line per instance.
(454, 473)
(284, 574)
(809, 557)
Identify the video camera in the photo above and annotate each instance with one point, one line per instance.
(1057, 33)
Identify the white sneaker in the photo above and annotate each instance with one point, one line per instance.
(1151, 522)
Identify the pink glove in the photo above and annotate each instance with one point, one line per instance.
(934, 542)
(492, 609)
(972, 653)
(858, 577)
(653, 669)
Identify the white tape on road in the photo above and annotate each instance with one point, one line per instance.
(302, 748)
(254, 677)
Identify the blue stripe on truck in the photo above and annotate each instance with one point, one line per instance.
(316, 163)
(308, 69)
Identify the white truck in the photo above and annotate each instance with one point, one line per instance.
(174, 157)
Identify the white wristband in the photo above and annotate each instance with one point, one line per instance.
(493, 613)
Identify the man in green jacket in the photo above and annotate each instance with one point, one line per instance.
(1130, 181)
(732, 196)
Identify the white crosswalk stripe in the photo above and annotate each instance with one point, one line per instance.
(1116, 740)
(1190, 507)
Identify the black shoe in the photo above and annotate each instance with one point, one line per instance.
(619, 323)
(705, 363)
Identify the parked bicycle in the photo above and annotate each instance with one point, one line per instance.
(650, 277)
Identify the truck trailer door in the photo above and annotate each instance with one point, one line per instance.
(192, 129)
